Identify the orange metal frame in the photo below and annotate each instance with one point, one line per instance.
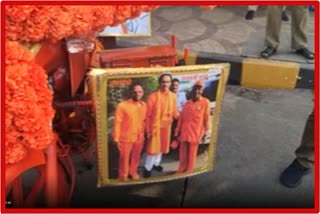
(51, 176)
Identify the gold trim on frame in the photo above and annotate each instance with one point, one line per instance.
(98, 88)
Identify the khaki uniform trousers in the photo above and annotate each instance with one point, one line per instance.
(299, 22)
(305, 152)
(254, 7)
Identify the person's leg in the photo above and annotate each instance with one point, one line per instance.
(251, 10)
(135, 159)
(149, 162)
(272, 38)
(284, 15)
(183, 154)
(293, 174)
(192, 156)
(124, 154)
(165, 139)
(157, 159)
(157, 163)
(305, 152)
(173, 128)
(299, 28)
(273, 26)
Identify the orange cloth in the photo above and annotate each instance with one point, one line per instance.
(187, 157)
(129, 121)
(161, 109)
(194, 121)
(128, 132)
(129, 159)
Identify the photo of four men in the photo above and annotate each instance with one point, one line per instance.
(176, 115)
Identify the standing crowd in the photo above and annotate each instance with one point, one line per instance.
(167, 116)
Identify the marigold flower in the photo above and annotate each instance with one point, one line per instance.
(19, 13)
(28, 104)
(36, 23)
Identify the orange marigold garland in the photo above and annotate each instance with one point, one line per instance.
(82, 20)
(123, 13)
(38, 24)
(19, 13)
(60, 23)
(35, 23)
(14, 30)
(103, 16)
(28, 99)
(28, 104)
(148, 8)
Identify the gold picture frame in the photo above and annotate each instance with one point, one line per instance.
(106, 86)
(139, 26)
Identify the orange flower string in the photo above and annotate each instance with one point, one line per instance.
(123, 13)
(148, 8)
(28, 104)
(19, 13)
(60, 23)
(28, 99)
(82, 20)
(14, 30)
(36, 23)
(103, 16)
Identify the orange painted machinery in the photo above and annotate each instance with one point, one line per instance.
(66, 63)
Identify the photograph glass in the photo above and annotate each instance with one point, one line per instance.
(140, 26)
(156, 124)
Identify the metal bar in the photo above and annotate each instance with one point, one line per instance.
(69, 104)
(36, 188)
(17, 192)
(51, 188)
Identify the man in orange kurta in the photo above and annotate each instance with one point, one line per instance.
(193, 125)
(161, 109)
(128, 132)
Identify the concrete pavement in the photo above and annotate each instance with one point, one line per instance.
(222, 30)
(223, 35)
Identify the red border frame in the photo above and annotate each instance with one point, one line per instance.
(169, 210)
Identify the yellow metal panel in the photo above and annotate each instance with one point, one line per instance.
(260, 73)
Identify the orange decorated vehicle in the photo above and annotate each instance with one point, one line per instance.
(48, 51)
(46, 122)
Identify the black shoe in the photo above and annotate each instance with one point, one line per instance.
(146, 173)
(158, 168)
(284, 16)
(249, 15)
(305, 53)
(292, 175)
(269, 51)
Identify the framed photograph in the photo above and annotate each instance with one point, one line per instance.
(140, 26)
(156, 124)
